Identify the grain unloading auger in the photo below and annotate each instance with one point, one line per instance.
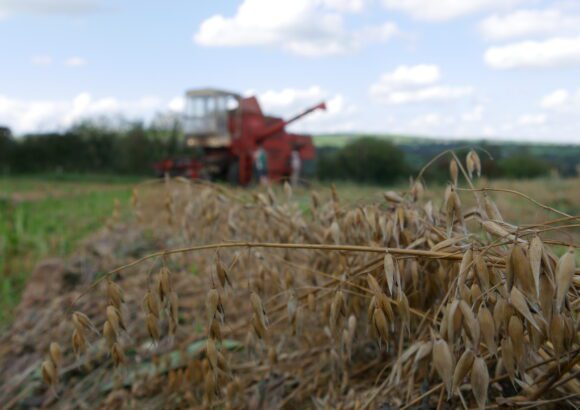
(226, 129)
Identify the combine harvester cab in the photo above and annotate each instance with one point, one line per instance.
(226, 129)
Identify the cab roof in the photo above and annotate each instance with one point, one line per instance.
(210, 92)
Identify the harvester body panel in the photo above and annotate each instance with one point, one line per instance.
(227, 129)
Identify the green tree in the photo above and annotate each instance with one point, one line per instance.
(523, 166)
(368, 160)
(6, 148)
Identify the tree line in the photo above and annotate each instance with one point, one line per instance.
(90, 147)
(378, 160)
(133, 148)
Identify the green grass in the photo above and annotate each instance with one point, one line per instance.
(42, 218)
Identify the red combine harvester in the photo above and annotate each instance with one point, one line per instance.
(226, 129)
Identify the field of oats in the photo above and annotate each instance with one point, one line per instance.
(191, 295)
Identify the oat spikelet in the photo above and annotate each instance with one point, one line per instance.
(151, 303)
(315, 200)
(212, 353)
(482, 271)
(351, 327)
(547, 293)
(374, 284)
(520, 266)
(209, 388)
(152, 328)
(423, 352)
(464, 267)
(83, 323)
(473, 163)
(55, 354)
(404, 310)
(518, 301)
(115, 319)
(213, 305)
(516, 334)
(79, 342)
(556, 333)
(389, 267)
(462, 368)
(109, 333)
(564, 274)
(335, 232)
(258, 308)
(114, 293)
(499, 312)
(417, 190)
(508, 359)
(49, 373)
(471, 324)
(491, 209)
(259, 327)
(292, 305)
(453, 171)
(215, 331)
(537, 338)
(222, 272)
(380, 324)
(454, 212)
(118, 355)
(443, 363)
(487, 327)
(337, 311)
(392, 196)
(174, 307)
(535, 254)
(164, 283)
(479, 381)
(469, 164)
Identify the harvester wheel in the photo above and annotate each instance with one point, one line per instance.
(234, 173)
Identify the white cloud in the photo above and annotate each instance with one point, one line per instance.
(525, 23)
(415, 84)
(554, 52)
(290, 101)
(177, 104)
(47, 115)
(430, 120)
(532, 119)
(24, 116)
(75, 62)
(345, 5)
(41, 60)
(402, 76)
(555, 99)
(440, 10)
(62, 7)
(474, 115)
(303, 27)
(564, 105)
(436, 93)
(290, 98)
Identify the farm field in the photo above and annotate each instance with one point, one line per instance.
(95, 227)
(48, 217)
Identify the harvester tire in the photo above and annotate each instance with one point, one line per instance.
(234, 173)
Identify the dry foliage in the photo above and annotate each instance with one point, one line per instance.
(388, 305)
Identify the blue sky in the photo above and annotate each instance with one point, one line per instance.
(499, 69)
